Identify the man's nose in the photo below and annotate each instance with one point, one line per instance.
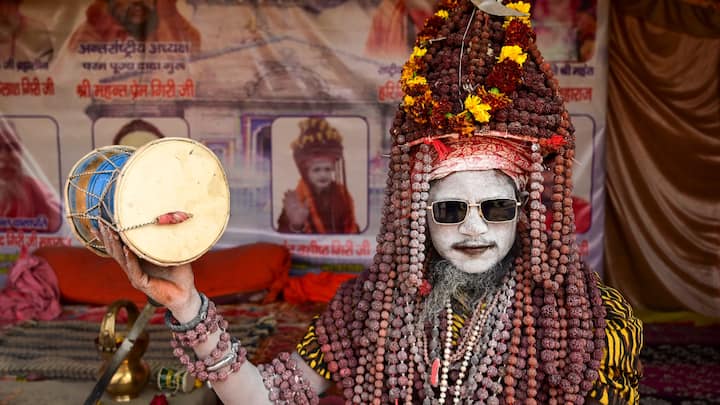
(474, 223)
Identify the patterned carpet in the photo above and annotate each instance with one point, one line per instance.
(681, 364)
(681, 361)
(65, 349)
(292, 323)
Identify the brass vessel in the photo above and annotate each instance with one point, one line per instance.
(133, 373)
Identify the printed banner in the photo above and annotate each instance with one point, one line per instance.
(296, 98)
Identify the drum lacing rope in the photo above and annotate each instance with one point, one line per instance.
(99, 198)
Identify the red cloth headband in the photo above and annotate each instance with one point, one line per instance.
(485, 153)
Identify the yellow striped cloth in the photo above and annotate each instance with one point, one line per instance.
(309, 349)
(619, 371)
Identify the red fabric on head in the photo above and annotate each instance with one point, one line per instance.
(485, 153)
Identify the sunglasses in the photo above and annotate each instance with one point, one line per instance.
(448, 212)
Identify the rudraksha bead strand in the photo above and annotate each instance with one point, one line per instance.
(285, 382)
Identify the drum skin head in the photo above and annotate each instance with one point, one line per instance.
(165, 176)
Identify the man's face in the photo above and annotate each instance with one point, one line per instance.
(133, 14)
(320, 173)
(473, 246)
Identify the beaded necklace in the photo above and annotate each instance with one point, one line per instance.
(476, 347)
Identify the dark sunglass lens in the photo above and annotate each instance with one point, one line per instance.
(499, 210)
(449, 212)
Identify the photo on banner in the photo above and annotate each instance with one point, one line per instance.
(24, 38)
(233, 86)
(320, 175)
(138, 20)
(29, 175)
(30, 199)
(566, 29)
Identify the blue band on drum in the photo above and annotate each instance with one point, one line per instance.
(99, 186)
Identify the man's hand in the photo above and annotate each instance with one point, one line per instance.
(297, 211)
(172, 287)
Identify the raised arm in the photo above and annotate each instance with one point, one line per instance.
(217, 358)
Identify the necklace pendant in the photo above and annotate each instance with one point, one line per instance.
(434, 370)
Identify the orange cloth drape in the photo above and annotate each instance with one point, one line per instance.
(663, 155)
(315, 219)
(314, 287)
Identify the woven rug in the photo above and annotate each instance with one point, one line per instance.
(65, 349)
(681, 364)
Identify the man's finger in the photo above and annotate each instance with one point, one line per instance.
(112, 243)
(106, 240)
(133, 271)
(96, 234)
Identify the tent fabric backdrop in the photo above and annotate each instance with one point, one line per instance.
(680, 16)
(85, 80)
(663, 156)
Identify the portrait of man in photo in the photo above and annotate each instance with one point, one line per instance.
(21, 195)
(141, 20)
(321, 202)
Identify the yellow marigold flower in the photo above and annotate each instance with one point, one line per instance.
(442, 14)
(520, 6)
(479, 110)
(418, 52)
(408, 101)
(416, 81)
(407, 73)
(464, 125)
(514, 53)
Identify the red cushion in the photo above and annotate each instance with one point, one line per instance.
(87, 278)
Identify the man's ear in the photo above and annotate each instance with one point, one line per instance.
(523, 197)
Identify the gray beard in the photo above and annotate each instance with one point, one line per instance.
(467, 289)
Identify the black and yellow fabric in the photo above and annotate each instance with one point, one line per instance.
(309, 350)
(620, 370)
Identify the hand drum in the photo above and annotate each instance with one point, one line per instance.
(168, 200)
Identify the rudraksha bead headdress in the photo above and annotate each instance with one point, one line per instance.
(478, 96)
(318, 139)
